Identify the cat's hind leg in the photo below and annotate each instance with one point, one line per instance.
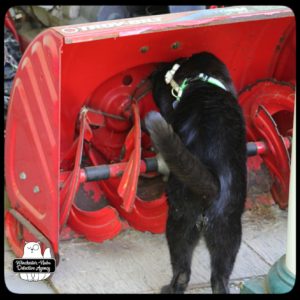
(223, 242)
(182, 236)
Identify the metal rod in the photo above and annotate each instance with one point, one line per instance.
(106, 171)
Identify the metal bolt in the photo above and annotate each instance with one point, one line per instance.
(144, 49)
(22, 175)
(36, 189)
(175, 45)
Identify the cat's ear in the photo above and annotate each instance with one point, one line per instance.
(25, 242)
(39, 242)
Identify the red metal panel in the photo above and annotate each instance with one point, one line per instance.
(268, 107)
(33, 136)
(91, 57)
(189, 20)
(128, 184)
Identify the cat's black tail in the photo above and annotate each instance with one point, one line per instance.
(181, 162)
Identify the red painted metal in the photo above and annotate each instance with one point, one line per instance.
(99, 65)
(32, 144)
(96, 225)
(64, 176)
(13, 234)
(113, 97)
(277, 158)
(68, 191)
(145, 215)
(9, 23)
(115, 170)
(30, 232)
(128, 184)
(117, 141)
(215, 6)
(262, 103)
(262, 147)
(246, 61)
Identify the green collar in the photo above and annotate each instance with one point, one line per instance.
(177, 90)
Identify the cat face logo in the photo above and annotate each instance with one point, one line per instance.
(32, 249)
(38, 262)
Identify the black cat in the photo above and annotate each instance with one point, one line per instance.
(200, 134)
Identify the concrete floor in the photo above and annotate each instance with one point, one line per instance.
(136, 262)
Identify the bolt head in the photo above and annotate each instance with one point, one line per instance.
(144, 49)
(22, 175)
(36, 189)
(175, 45)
